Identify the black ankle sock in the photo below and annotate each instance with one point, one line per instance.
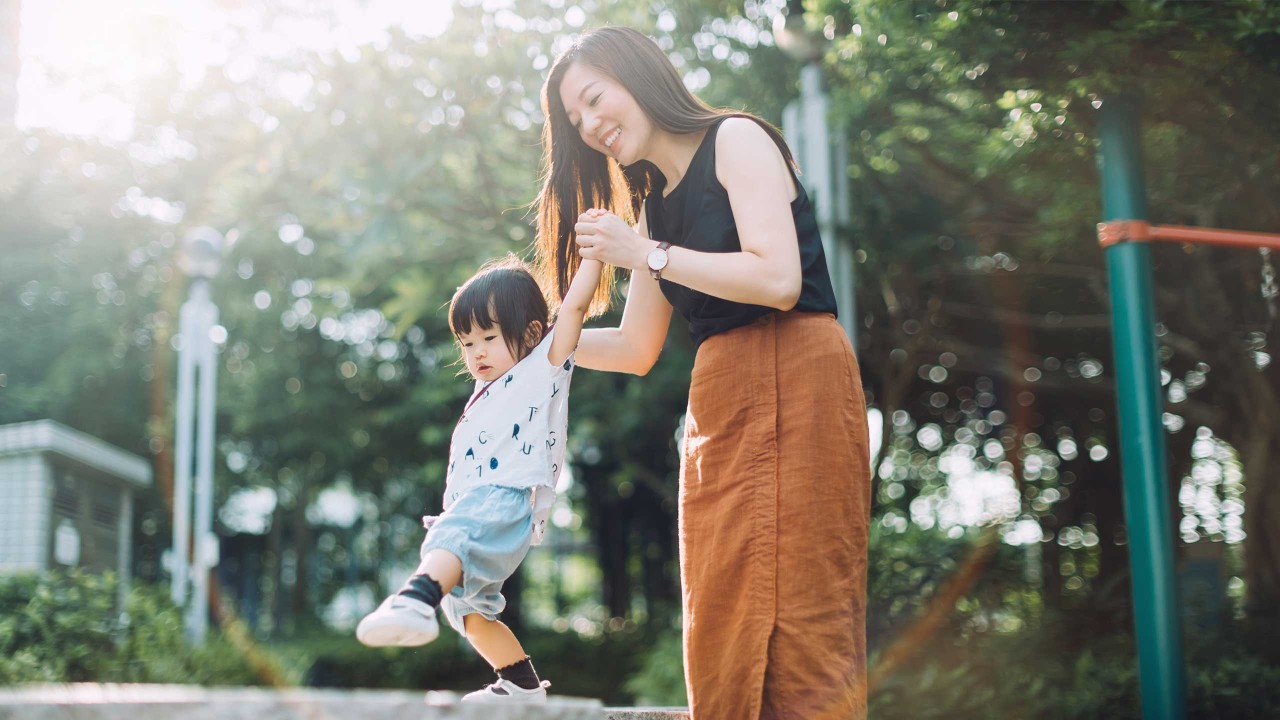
(521, 674)
(423, 589)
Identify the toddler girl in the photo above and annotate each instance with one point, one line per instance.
(506, 453)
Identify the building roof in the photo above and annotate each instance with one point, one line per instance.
(47, 436)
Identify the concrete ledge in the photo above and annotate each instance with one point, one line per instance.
(621, 713)
(188, 702)
(170, 702)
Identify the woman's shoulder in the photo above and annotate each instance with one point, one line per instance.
(741, 129)
(744, 149)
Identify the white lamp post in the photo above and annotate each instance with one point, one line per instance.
(804, 122)
(200, 258)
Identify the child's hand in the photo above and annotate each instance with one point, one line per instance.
(429, 520)
(591, 264)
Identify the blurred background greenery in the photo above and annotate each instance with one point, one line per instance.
(365, 158)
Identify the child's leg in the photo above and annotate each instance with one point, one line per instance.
(493, 640)
(443, 567)
(499, 647)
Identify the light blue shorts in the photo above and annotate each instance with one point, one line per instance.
(489, 528)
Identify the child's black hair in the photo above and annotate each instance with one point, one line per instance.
(504, 293)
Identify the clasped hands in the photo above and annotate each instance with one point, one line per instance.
(601, 235)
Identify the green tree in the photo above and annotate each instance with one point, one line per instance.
(972, 135)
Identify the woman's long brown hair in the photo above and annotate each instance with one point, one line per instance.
(575, 177)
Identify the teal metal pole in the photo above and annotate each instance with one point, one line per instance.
(1142, 449)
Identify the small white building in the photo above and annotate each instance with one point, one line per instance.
(66, 500)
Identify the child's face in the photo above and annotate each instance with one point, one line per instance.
(486, 352)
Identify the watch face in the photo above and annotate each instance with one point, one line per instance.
(657, 259)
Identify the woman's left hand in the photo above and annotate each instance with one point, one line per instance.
(603, 236)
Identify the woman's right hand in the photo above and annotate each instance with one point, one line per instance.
(601, 235)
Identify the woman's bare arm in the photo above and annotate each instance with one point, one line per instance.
(634, 346)
(767, 271)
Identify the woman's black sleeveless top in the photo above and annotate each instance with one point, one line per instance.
(697, 215)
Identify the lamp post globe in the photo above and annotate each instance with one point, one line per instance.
(201, 255)
(794, 38)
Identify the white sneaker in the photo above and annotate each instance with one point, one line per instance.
(508, 693)
(399, 622)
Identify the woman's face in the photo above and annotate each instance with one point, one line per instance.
(606, 116)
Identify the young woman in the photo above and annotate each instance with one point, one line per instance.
(774, 491)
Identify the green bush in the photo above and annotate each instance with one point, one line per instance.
(339, 661)
(57, 628)
(660, 680)
(576, 665)
(1021, 675)
(1029, 674)
(999, 680)
(1237, 686)
(66, 627)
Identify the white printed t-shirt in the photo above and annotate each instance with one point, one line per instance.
(513, 433)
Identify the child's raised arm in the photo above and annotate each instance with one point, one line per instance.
(574, 309)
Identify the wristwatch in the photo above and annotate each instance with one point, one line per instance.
(657, 260)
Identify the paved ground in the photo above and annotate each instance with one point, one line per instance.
(182, 702)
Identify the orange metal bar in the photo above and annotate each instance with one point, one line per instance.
(1215, 236)
(1117, 231)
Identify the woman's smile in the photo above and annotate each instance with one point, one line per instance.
(596, 106)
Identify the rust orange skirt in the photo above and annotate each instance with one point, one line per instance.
(774, 510)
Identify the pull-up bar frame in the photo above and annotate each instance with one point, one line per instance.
(1143, 464)
(1126, 235)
